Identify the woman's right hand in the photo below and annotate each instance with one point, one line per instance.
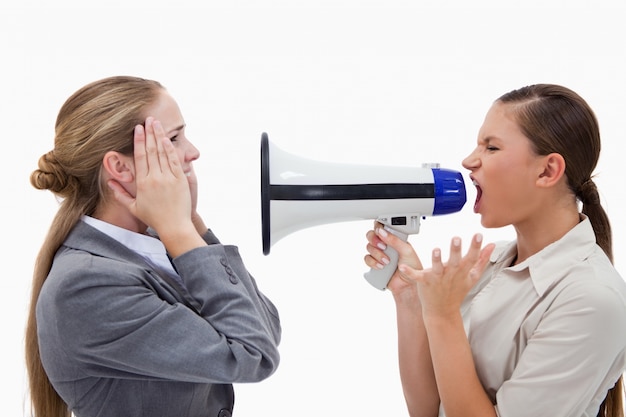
(377, 259)
(162, 197)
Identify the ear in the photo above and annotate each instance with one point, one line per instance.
(119, 167)
(553, 169)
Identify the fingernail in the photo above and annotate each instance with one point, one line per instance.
(436, 253)
(382, 232)
(385, 261)
(379, 266)
(381, 246)
(456, 241)
(479, 238)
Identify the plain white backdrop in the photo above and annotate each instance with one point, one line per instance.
(375, 82)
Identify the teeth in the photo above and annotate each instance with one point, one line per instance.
(475, 182)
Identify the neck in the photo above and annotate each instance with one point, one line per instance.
(541, 231)
(120, 217)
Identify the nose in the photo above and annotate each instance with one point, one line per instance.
(472, 161)
(191, 153)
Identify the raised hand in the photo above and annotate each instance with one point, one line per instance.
(443, 287)
(162, 197)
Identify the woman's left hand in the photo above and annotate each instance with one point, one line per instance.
(193, 189)
(201, 228)
(443, 287)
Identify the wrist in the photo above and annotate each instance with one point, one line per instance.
(408, 301)
(198, 223)
(441, 319)
(180, 240)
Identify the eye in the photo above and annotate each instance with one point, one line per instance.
(174, 138)
(491, 148)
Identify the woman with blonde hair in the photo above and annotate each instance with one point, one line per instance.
(137, 308)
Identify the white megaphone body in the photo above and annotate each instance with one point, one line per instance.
(298, 193)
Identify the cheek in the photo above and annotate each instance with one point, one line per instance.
(514, 188)
(180, 152)
(507, 184)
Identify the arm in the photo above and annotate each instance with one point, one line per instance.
(441, 290)
(461, 391)
(119, 321)
(228, 296)
(415, 361)
(416, 370)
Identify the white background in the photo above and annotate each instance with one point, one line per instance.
(375, 82)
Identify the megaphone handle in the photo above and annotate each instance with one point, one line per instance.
(379, 278)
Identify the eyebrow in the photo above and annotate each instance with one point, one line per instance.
(489, 139)
(176, 129)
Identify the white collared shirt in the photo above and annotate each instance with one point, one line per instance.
(548, 335)
(147, 246)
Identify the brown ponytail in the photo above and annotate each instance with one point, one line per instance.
(571, 130)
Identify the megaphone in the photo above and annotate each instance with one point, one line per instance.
(298, 193)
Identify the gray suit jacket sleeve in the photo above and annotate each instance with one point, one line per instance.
(110, 314)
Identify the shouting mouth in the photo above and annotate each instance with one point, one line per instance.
(479, 194)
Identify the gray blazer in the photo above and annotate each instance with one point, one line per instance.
(120, 338)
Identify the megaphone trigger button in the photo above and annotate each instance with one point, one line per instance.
(398, 221)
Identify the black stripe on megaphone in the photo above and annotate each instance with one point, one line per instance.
(351, 192)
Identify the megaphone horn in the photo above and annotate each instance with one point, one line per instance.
(298, 193)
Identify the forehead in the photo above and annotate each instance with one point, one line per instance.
(166, 110)
(500, 123)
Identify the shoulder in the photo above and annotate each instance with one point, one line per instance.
(593, 288)
(78, 266)
(83, 290)
(595, 271)
(80, 281)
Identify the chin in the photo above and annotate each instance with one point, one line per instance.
(488, 223)
(492, 224)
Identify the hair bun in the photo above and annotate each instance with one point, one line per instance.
(50, 175)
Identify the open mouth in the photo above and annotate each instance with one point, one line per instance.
(479, 194)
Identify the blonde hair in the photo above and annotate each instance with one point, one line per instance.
(98, 118)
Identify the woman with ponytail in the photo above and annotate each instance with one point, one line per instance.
(533, 327)
(137, 308)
